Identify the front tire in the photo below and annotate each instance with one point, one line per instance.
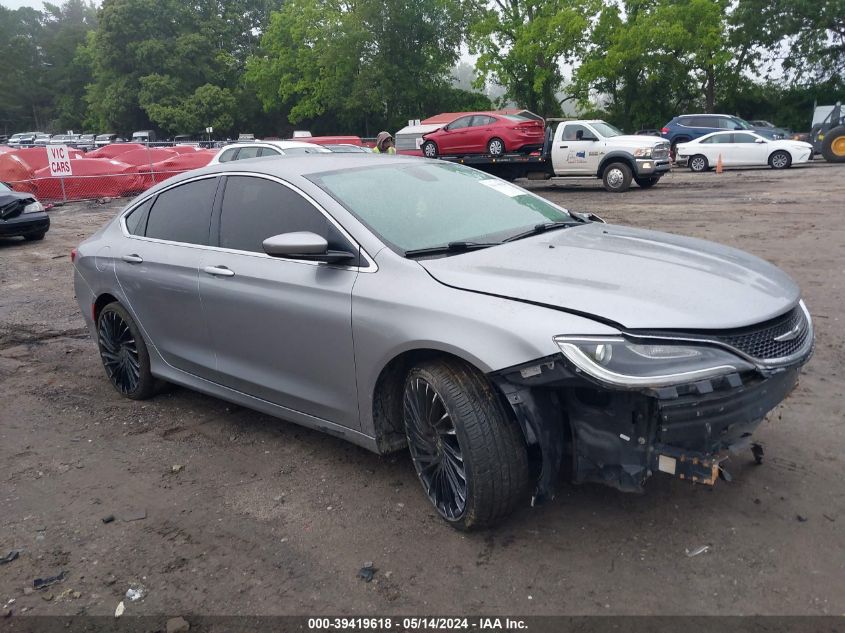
(780, 159)
(429, 149)
(496, 147)
(617, 177)
(35, 237)
(124, 354)
(699, 163)
(469, 455)
(647, 183)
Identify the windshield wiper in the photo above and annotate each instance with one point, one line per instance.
(543, 227)
(451, 247)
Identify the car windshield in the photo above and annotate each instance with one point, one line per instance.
(4, 187)
(418, 205)
(606, 129)
(742, 123)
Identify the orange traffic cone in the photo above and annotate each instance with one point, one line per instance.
(719, 166)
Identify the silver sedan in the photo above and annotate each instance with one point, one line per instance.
(407, 303)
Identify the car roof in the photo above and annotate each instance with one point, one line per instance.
(709, 134)
(291, 168)
(279, 144)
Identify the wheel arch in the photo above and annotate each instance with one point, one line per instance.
(101, 302)
(617, 157)
(387, 405)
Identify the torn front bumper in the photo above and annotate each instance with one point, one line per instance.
(620, 438)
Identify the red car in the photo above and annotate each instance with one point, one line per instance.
(485, 133)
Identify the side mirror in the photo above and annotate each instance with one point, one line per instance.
(760, 141)
(303, 245)
(738, 127)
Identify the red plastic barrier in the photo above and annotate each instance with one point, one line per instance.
(14, 170)
(113, 150)
(92, 178)
(184, 149)
(172, 166)
(145, 156)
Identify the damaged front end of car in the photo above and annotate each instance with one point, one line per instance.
(618, 409)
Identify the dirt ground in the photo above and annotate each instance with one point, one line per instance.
(265, 517)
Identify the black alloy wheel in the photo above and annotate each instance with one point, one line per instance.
(435, 450)
(119, 351)
(124, 354)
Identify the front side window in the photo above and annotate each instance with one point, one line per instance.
(570, 132)
(419, 205)
(183, 214)
(268, 151)
(461, 123)
(255, 209)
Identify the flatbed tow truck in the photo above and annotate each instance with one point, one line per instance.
(582, 149)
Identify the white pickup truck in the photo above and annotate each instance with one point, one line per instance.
(584, 149)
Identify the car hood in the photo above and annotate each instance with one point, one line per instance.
(635, 140)
(634, 278)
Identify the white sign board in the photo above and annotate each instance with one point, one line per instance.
(58, 158)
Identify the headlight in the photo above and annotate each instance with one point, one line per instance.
(643, 152)
(619, 362)
(33, 207)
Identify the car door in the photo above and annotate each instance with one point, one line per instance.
(454, 137)
(157, 267)
(281, 328)
(748, 151)
(715, 146)
(479, 133)
(571, 154)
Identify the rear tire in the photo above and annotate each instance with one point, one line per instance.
(780, 159)
(35, 237)
(429, 149)
(496, 147)
(833, 145)
(124, 354)
(469, 455)
(698, 163)
(646, 183)
(617, 177)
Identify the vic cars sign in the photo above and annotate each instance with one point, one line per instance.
(58, 158)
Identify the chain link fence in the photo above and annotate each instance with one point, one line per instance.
(113, 171)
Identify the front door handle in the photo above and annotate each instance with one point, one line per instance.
(132, 259)
(563, 146)
(219, 271)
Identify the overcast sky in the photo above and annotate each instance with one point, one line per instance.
(16, 4)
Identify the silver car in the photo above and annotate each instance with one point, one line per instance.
(401, 302)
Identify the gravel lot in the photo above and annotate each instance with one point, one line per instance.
(265, 517)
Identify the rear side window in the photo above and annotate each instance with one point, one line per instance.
(744, 138)
(136, 222)
(255, 209)
(482, 120)
(183, 214)
(228, 155)
(267, 151)
(249, 152)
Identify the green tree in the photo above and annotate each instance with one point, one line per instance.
(24, 100)
(360, 65)
(652, 59)
(522, 43)
(157, 61)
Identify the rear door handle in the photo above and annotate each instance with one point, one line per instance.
(219, 271)
(132, 259)
(564, 146)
